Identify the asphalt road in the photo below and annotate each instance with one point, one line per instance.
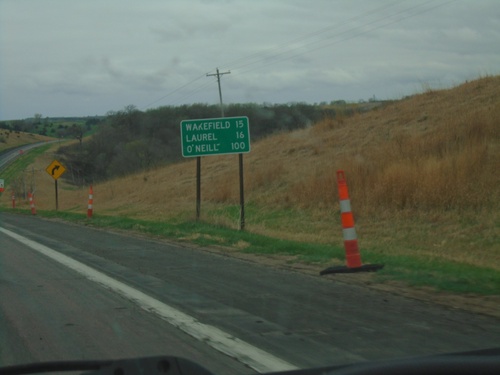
(7, 157)
(51, 312)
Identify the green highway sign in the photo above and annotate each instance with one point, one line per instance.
(215, 136)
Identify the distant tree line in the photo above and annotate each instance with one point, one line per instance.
(130, 140)
(64, 127)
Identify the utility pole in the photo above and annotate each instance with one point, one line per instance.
(198, 159)
(218, 74)
(240, 156)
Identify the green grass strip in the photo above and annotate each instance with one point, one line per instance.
(414, 271)
(436, 273)
(22, 162)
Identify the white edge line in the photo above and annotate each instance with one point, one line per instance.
(257, 359)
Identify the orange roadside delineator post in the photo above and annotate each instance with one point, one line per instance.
(90, 207)
(32, 203)
(353, 257)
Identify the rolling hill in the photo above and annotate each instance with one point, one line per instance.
(422, 173)
(10, 139)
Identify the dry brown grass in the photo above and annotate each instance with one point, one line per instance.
(10, 139)
(422, 174)
(433, 151)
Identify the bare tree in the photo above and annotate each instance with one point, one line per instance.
(77, 132)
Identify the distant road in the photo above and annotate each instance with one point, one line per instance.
(6, 157)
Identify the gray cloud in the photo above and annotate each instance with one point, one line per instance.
(63, 58)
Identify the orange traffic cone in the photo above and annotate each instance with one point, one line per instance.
(32, 203)
(90, 207)
(353, 257)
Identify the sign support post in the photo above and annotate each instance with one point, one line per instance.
(242, 195)
(57, 197)
(198, 187)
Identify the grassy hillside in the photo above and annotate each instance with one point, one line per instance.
(10, 139)
(423, 175)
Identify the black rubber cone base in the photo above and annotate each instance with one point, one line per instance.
(345, 269)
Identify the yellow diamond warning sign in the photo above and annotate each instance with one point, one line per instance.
(55, 169)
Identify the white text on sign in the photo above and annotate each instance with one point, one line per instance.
(229, 135)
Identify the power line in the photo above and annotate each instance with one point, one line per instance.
(192, 92)
(173, 91)
(328, 43)
(273, 54)
(261, 55)
(272, 51)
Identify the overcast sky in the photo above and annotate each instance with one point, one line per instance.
(88, 57)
